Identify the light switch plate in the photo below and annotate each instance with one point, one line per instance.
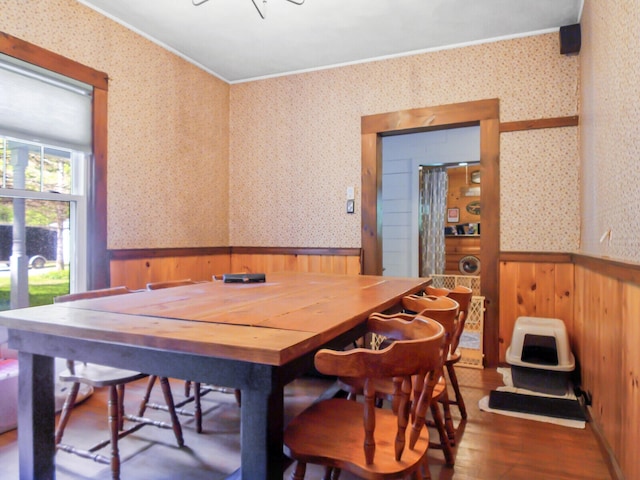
(351, 206)
(351, 194)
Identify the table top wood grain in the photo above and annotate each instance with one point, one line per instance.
(271, 322)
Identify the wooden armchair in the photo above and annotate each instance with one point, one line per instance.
(462, 295)
(444, 311)
(115, 379)
(358, 437)
(199, 390)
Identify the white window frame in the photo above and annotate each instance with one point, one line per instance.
(78, 210)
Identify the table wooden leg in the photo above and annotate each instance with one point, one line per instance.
(36, 417)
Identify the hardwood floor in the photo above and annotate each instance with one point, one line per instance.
(489, 446)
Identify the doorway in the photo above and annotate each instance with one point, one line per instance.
(410, 164)
(462, 221)
(484, 113)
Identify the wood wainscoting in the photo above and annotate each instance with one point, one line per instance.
(599, 301)
(534, 285)
(346, 261)
(607, 334)
(136, 267)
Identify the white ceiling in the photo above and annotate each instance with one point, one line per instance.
(230, 40)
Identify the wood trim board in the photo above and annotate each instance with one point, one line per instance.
(556, 122)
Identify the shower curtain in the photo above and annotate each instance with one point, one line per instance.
(434, 184)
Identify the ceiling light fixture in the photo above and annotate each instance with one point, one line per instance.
(261, 11)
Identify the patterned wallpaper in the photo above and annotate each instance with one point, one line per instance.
(168, 126)
(267, 163)
(539, 194)
(295, 141)
(610, 131)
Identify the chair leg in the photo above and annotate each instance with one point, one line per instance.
(115, 416)
(238, 394)
(187, 388)
(448, 420)
(120, 406)
(168, 398)
(147, 394)
(442, 433)
(456, 388)
(300, 470)
(335, 474)
(69, 403)
(426, 474)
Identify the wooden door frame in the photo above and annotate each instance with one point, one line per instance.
(486, 114)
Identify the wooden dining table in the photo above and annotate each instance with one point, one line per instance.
(256, 337)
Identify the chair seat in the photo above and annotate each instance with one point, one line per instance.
(311, 437)
(100, 375)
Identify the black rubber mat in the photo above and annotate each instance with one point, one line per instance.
(547, 406)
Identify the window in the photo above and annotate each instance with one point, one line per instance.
(43, 201)
(97, 259)
(45, 146)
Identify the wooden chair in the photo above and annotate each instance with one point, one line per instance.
(445, 311)
(104, 292)
(170, 283)
(115, 378)
(199, 390)
(462, 295)
(367, 441)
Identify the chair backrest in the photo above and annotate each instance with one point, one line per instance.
(462, 295)
(444, 310)
(418, 303)
(103, 292)
(169, 284)
(416, 351)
